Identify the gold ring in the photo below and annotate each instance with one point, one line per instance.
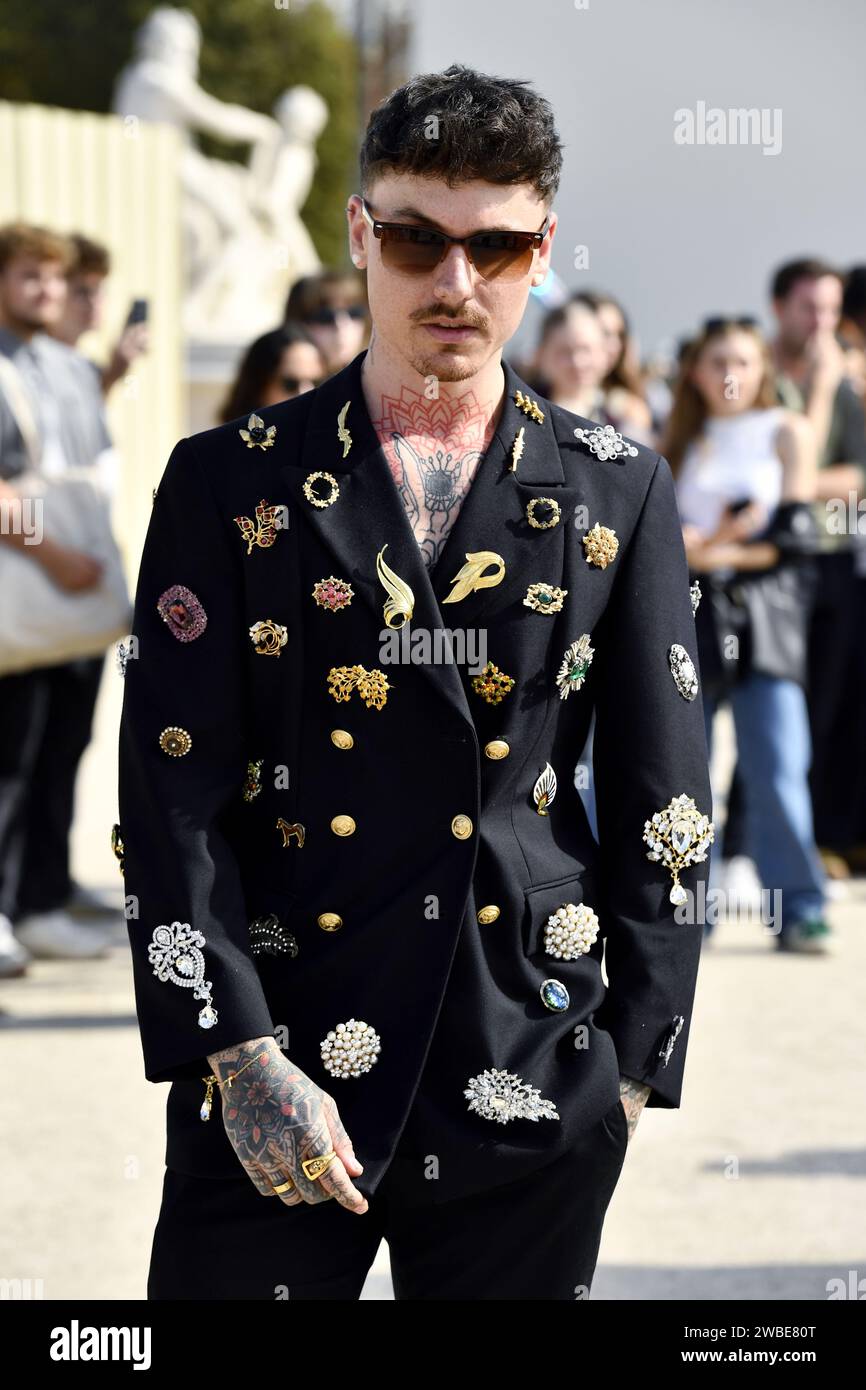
(315, 1167)
(285, 1187)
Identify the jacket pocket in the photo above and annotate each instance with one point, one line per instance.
(542, 900)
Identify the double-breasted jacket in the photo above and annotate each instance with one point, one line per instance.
(350, 796)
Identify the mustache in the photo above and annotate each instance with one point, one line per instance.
(459, 316)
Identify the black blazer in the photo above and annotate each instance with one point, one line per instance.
(379, 921)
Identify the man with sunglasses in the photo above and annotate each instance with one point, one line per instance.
(370, 859)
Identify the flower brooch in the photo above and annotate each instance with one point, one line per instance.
(257, 435)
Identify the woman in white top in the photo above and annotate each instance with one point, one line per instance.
(745, 474)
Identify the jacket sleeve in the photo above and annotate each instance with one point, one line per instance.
(185, 908)
(649, 747)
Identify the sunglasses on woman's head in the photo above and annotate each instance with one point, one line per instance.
(496, 255)
(715, 325)
(329, 316)
(293, 384)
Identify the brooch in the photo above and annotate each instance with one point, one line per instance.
(683, 671)
(268, 637)
(117, 848)
(529, 407)
(333, 594)
(695, 596)
(350, 1049)
(267, 938)
(544, 790)
(605, 442)
(601, 546)
(292, 830)
(401, 601)
(503, 1096)
(342, 433)
(253, 782)
(554, 996)
(181, 611)
(542, 502)
(679, 836)
(123, 652)
(311, 496)
(176, 956)
(372, 686)
(544, 598)
(264, 532)
(492, 684)
(176, 742)
(517, 449)
(471, 576)
(575, 664)
(667, 1046)
(256, 435)
(570, 931)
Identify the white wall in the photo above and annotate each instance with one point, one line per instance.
(681, 232)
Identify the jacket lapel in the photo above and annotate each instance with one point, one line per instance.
(494, 517)
(369, 514)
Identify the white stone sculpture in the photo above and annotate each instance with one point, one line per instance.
(245, 243)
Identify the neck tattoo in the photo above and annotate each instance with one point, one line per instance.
(433, 448)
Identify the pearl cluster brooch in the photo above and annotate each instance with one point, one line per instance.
(570, 932)
(350, 1049)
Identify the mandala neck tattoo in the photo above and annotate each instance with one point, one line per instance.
(433, 448)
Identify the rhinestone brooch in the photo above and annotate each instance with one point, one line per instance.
(605, 442)
(176, 956)
(678, 836)
(503, 1096)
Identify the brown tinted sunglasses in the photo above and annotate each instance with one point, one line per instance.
(496, 255)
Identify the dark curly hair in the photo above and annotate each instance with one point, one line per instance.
(461, 124)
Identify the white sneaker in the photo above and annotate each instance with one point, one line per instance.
(742, 887)
(55, 936)
(13, 956)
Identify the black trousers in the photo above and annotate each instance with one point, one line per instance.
(836, 697)
(46, 718)
(538, 1238)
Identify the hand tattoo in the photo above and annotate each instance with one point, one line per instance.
(633, 1097)
(275, 1116)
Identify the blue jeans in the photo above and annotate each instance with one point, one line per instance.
(774, 750)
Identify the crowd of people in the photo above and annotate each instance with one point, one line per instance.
(767, 444)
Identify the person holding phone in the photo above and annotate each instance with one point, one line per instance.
(745, 470)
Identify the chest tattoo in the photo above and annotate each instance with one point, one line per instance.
(433, 448)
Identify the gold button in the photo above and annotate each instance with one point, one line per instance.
(343, 825)
(496, 749)
(488, 914)
(341, 738)
(461, 826)
(330, 921)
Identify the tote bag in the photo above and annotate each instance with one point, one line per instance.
(42, 624)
